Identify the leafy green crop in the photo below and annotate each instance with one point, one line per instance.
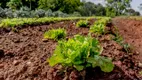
(80, 52)
(98, 28)
(103, 21)
(82, 23)
(55, 34)
(18, 22)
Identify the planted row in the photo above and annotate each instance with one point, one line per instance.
(99, 26)
(79, 52)
(36, 21)
(30, 21)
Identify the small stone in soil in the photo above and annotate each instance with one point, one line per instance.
(140, 64)
(28, 63)
(16, 62)
(45, 40)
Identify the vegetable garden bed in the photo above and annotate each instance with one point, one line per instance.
(24, 54)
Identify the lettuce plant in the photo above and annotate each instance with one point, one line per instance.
(99, 26)
(82, 23)
(98, 29)
(55, 34)
(80, 52)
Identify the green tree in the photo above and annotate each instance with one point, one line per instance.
(89, 9)
(47, 4)
(3, 3)
(32, 4)
(120, 6)
(132, 12)
(111, 12)
(140, 7)
(14, 4)
(30, 1)
(67, 6)
(100, 10)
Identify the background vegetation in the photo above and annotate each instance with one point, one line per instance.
(64, 8)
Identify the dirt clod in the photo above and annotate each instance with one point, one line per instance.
(1, 53)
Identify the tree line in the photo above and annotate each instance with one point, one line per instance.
(41, 8)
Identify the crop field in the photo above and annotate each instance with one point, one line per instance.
(71, 48)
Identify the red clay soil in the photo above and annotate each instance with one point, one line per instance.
(23, 55)
(131, 30)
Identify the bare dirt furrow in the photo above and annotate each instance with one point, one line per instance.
(131, 31)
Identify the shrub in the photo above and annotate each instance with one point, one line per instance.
(23, 12)
(82, 23)
(24, 8)
(9, 13)
(55, 34)
(60, 14)
(33, 14)
(40, 13)
(80, 52)
(2, 12)
(49, 13)
(75, 14)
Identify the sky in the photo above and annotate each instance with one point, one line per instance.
(134, 3)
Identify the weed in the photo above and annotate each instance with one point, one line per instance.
(119, 40)
(14, 29)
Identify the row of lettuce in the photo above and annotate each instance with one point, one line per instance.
(16, 22)
(80, 52)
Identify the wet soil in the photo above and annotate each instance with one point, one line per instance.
(23, 55)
